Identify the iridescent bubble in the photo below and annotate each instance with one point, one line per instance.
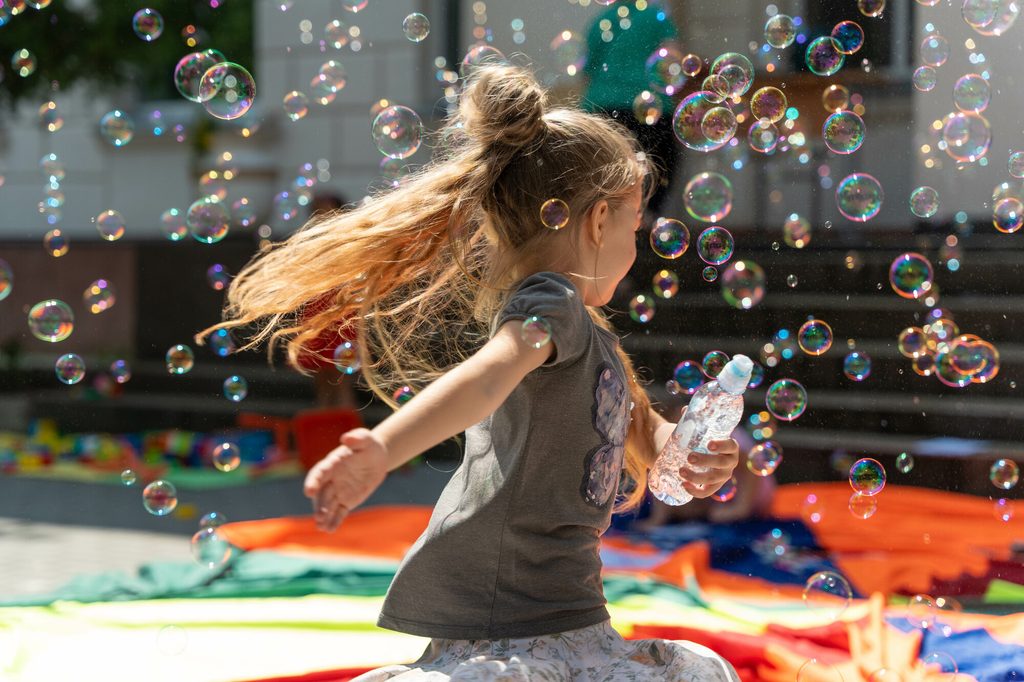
(570, 51)
(227, 91)
(55, 243)
(23, 63)
(128, 478)
(764, 458)
(70, 368)
(737, 69)
(713, 363)
(49, 117)
(1006, 13)
(692, 64)
(904, 462)
(665, 284)
(708, 196)
(857, 366)
(859, 197)
(835, 98)
(822, 57)
(226, 456)
(647, 107)
(912, 342)
(346, 358)
(921, 611)
(51, 320)
(726, 492)
(978, 13)
(217, 277)
(669, 238)
(814, 337)
(941, 664)
(812, 510)
(786, 399)
(148, 24)
(924, 365)
(743, 284)
(210, 548)
(911, 275)
(120, 371)
(1004, 474)
(173, 224)
(354, 5)
(480, 55)
(235, 388)
(862, 507)
(780, 31)
(971, 93)
(117, 128)
(416, 27)
(689, 376)
(719, 124)
(717, 87)
(672, 387)
(756, 378)
(641, 308)
(688, 120)
(715, 245)
(221, 343)
(179, 359)
(990, 362)
(110, 225)
(829, 592)
(212, 520)
(554, 214)
(792, 281)
(924, 202)
(99, 296)
(535, 332)
(763, 136)
(160, 498)
(1008, 215)
(925, 78)
(867, 476)
(397, 131)
(796, 231)
(1003, 509)
(188, 74)
(402, 395)
(709, 274)
(871, 8)
(208, 220)
(664, 69)
(336, 34)
(934, 50)
(848, 36)
(1015, 165)
(296, 105)
(768, 103)
(844, 132)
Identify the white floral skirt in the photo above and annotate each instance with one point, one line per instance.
(592, 654)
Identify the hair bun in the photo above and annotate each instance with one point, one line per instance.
(503, 105)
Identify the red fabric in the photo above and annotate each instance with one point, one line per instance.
(328, 340)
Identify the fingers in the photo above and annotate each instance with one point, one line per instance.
(355, 438)
(713, 461)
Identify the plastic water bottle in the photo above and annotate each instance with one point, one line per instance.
(714, 411)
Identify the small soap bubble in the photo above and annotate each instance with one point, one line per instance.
(822, 57)
(217, 277)
(763, 136)
(49, 117)
(867, 476)
(848, 36)
(912, 342)
(1008, 215)
(967, 136)
(726, 492)
(1004, 474)
(857, 366)
(664, 69)
(641, 308)
(208, 220)
(173, 224)
(796, 231)
(70, 368)
(23, 63)
(99, 296)
(110, 225)
(871, 8)
(756, 378)
(179, 359)
(844, 132)
(979, 13)
(940, 662)
(346, 358)
(226, 456)
(904, 462)
(570, 52)
(713, 363)
(689, 376)
(210, 548)
(480, 55)
(812, 510)
(236, 388)
(814, 337)
(128, 478)
(692, 64)
(829, 592)
(535, 332)
(862, 506)
(835, 98)
(792, 281)
(665, 284)
(1015, 166)
(737, 69)
(6, 279)
(51, 320)
(120, 371)
(911, 275)
(715, 245)
(934, 50)
(227, 91)
(769, 103)
(295, 104)
(354, 6)
(56, 244)
(117, 128)
(416, 27)
(212, 520)
(743, 284)
(688, 119)
(924, 202)
(160, 498)
(719, 124)
(859, 197)
(554, 214)
(786, 399)
(971, 93)
(764, 458)
(672, 388)
(717, 88)
(669, 238)
(397, 131)
(1003, 509)
(921, 611)
(780, 31)
(925, 78)
(148, 24)
(647, 107)
(402, 395)
(709, 274)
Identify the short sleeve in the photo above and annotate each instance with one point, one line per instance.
(553, 298)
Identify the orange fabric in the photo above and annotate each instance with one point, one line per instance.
(318, 431)
(915, 536)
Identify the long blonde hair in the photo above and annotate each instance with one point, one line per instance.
(416, 274)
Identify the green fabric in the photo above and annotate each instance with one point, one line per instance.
(617, 69)
(184, 478)
(1003, 592)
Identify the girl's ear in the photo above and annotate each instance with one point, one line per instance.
(595, 222)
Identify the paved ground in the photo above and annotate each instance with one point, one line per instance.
(51, 531)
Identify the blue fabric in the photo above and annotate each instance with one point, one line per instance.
(976, 652)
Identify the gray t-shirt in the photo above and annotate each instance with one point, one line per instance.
(511, 549)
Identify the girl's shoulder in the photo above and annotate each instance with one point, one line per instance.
(552, 310)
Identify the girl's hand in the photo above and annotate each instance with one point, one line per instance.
(343, 479)
(725, 455)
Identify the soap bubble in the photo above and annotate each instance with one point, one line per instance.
(70, 368)
(173, 224)
(226, 456)
(128, 478)
(835, 98)
(867, 476)
(641, 308)
(828, 591)
(416, 27)
(688, 376)
(51, 320)
(709, 274)
(792, 281)
(780, 31)
(55, 243)
(912, 342)
(346, 358)
(1004, 474)
(402, 395)
(6, 279)
(295, 104)
(717, 88)
(669, 238)
(743, 284)
(160, 498)
(1008, 215)
(692, 64)
(209, 548)
(708, 196)
(972, 93)
(208, 220)
(235, 388)
(812, 510)
(925, 78)
(719, 124)
(217, 276)
(688, 120)
(480, 55)
(764, 458)
(569, 51)
(535, 332)
(940, 662)
(737, 69)
(857, 366)
(713, 363)
(1003, 509)
(990, 362)
(862, 506)
(726, 492)
(664, 69)
(1015, 165)
(554, 214)
(336, 34)
(763, 136)
(212, 520)
(911, 275)
(822, 57)
(786, 399)
(967, 136)
(110, 225)
(1004, 16)
(814, 337)
(665, 283)
(848, 36)
(179, 359)
(23, 63)
(871, 8)
(148, 24)
(844, 132)
(99, 296)
(647, 107)
(859, 197)
(769, 103)
(978, 13)
(796, 231)
(396, 132)
(924, 202)
(715, 245)
(921, 611)
(934, 50)
(227, 91)
(117, 128)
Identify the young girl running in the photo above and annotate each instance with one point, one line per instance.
(457, 288)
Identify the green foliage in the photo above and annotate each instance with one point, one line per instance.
(97, 45)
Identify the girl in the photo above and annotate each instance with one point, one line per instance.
(456, 277)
